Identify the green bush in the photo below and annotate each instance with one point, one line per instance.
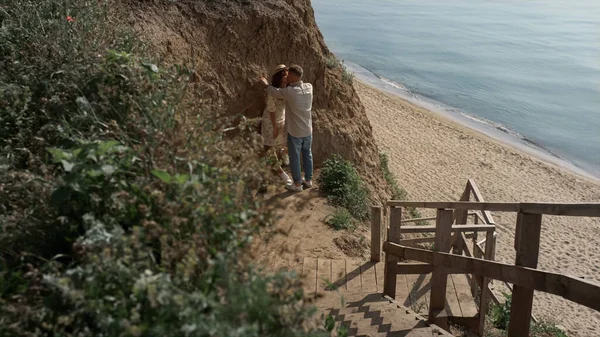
(546, 329)
(332, 62)
(501, 313)
(121, 213)
(347, 76)
(344, 187)
(398, 193)
(340, 219)
(501, 318)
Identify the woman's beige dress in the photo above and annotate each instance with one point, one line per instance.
(277, 105)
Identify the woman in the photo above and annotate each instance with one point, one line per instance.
(273, 126)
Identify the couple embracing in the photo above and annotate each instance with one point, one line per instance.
(287, 119)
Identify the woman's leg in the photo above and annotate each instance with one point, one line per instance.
(270, 155)
(264, 157)
(273, 161)
(285, 159)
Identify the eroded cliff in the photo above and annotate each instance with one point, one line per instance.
(230, 43)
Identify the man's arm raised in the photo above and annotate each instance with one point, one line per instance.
(277, 92)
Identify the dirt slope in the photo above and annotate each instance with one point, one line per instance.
(300, 232)
(230, 43)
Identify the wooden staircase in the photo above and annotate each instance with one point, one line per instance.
(350, 291)
(376, 316)
(438, 279)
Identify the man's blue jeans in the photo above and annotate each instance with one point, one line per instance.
(297, 147)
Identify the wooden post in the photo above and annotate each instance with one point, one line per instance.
(439, 276)
(527, 245)
(461, 215)
(391, 261)
(476, 254)
(493, 257)
(376, 217)
(386, 224)
(484, 298)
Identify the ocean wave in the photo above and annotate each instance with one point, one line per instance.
(512, 133)
(495, 125)
(428, 103)
(394, 84)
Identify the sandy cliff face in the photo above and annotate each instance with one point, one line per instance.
(231, 42)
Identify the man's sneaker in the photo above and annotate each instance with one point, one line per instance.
(307, 183)
(286, 179)
(294, 188)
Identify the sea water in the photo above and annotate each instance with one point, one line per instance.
(526, 72)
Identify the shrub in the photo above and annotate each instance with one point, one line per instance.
(121, 213)
(344, 187)
(347, 76)
(546, 329)
(501, 313)
(332, 62)
(415, 214)
(52, 74)
(340, 219)
(398, 193)
(501, 317)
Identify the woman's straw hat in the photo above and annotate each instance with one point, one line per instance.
(279, 68)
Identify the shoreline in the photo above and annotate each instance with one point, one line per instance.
(488, 129)
(433, 157)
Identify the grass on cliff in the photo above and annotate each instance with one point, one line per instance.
(340, 219)
(332, 62)
(347, 76)
(398, 193)
(123, 209)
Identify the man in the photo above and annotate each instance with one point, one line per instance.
(298, 98)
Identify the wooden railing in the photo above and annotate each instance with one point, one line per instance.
(471, 191)
(482, 221)
(451, 218)
(539, 208)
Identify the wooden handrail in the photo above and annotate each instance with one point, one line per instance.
(432, 218)
(567, 209)
(483, 219)
(487, 215)
(417, 219)
(455, 228)
(413, 268)
(572, 288)
(414, 241)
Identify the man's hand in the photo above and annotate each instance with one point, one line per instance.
(262, 80)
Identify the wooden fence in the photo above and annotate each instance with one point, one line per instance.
(451, 255)
(481, 221)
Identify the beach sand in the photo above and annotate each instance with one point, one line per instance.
(433, 157)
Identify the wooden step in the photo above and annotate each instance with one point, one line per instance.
(374, 315)
(348, 289)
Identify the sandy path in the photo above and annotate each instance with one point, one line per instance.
(300, 232)
(433, 157)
